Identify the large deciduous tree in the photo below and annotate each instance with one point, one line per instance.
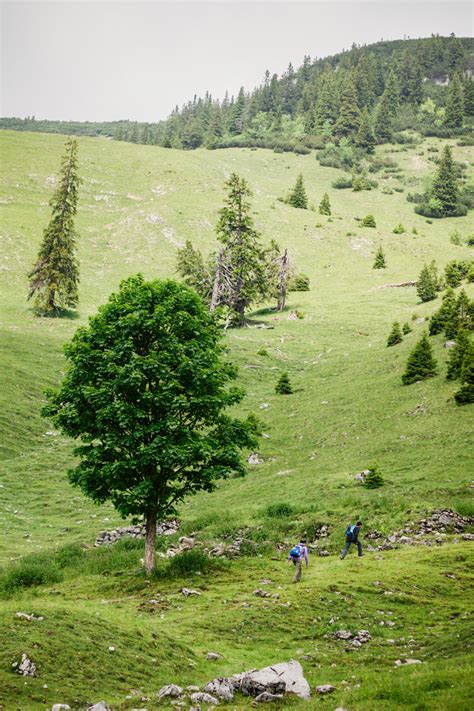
(146, 393)
(55, 275)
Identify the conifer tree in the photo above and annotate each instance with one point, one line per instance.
(395, 335)
(421, 363)
(461, 317)
(348, 121)
(327, 102)
(283, 386)
(386, 112)
(406, 328)
(454, 116)
(191, 267)
(365, 136)
(325, 205)
(457, 353)
(468, 92)
(374, 478)
(297, 197)
(379, 262)
(444, 313)
(465, 394)
(240, 273)
(55, 276)
(445, 185)
(426, 284)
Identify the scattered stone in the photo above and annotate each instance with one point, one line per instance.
(200, 697)
(61, 707)
(361, 476)
(217, 551)
(172, 691)
(26, 667)
(389, 623)
(187, 592)
(325, 689)
(264, 406)
(261, 593)
(99, 706)
(212, 656)
(193, 688)
(449, 344)
(266, 696)
(403, 662)
(266, 581)
(111, 649)
(221, 688)
(254, 458)
(342, 634)
(30, 618)
(286, 677)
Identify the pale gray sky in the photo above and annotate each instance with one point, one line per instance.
(109, 60)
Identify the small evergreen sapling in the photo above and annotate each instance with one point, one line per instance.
(324, 205)
(421, 363)
(368, 221)
(374, 478)
(283, 386)
(399, 229)
(395, 335)
(457, 355)
(379, 262)
(406, 328)
(465, 394)
(298, 197)
(426, 284)
(444, 314)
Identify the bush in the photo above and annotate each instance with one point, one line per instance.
(283, 386)
(279, 510)
(399, 229)
(455, 238)
(455, 272)
(262, 352)
(374, 478)
(28, 574)
(406, 328)
(421, 363)
(298, 282)
(342, 183)
(395, 335)
(189, 563)
(362, 182)
(70, 556)
(368, 221)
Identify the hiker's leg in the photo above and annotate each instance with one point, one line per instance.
(346, 548)
(297, 575)
(359, 548)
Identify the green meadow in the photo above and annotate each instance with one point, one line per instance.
(137, 205)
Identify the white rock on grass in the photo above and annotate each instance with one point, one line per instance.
(221, 687)
(200, 697)
(403, 662)
(26, 667)
(187, 592)
(30, 618)
(266, 696)
(286, 677)
(325, 689)
(170, 691)
(61, 707)
(99, 706)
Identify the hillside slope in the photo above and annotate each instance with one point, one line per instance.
(349, 409)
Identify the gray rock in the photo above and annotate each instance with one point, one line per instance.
(187, 592)
(266, 696)
(61, 707)
(200, 697)
(30, 618)
(261, 593)
(254, 458)
(403, 662)
(286, 677)
(342, 634)
(221, 687)
(449, 344)
(170, 691)
(212, 656)
(325, 689)
(26, 667)
(99, 706)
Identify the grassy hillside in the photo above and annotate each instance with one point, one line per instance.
(349, 409)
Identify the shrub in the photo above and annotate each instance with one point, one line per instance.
(399, 229)
(379, 262)
(342, 183)
(262, 352)
(279, 510)
(374, 478)
(455, 272)
(189, 563)
(455, 238)
(28, 574)
(465, 394)
(406, 328)
(395, 335)
(426, 286)
(470, 241)
(368, 221)
(283, 386)
(298, 282)
(414, 231)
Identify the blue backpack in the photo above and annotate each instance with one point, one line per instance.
(350, 532)
(295, 552)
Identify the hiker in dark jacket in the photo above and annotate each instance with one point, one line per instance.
(352, 536)
(296, 556)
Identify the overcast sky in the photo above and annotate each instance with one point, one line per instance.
(109, 60)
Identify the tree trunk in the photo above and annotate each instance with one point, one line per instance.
(217, 284)
(150, 538)
(283, 280)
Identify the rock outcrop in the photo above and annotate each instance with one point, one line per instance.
(165, 528)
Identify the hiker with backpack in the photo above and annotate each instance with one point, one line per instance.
(296, 556)
(352, 536)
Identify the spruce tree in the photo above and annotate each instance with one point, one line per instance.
(240, 277)
(395, 335)
(445, 185)
(379, 262)
(468, 91)
(457, 354)
(374, 478)
(444, 313)
(55, 276)
(426, 285)
(454, 116)
(283, 386)
(297, 197)
(365, 136)
(406, 328)
(325, 205)
(421, 363)
(461, 317)
(348, 121)
(465, 394)
(386, 112)
(194, 272)
(327, 102)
